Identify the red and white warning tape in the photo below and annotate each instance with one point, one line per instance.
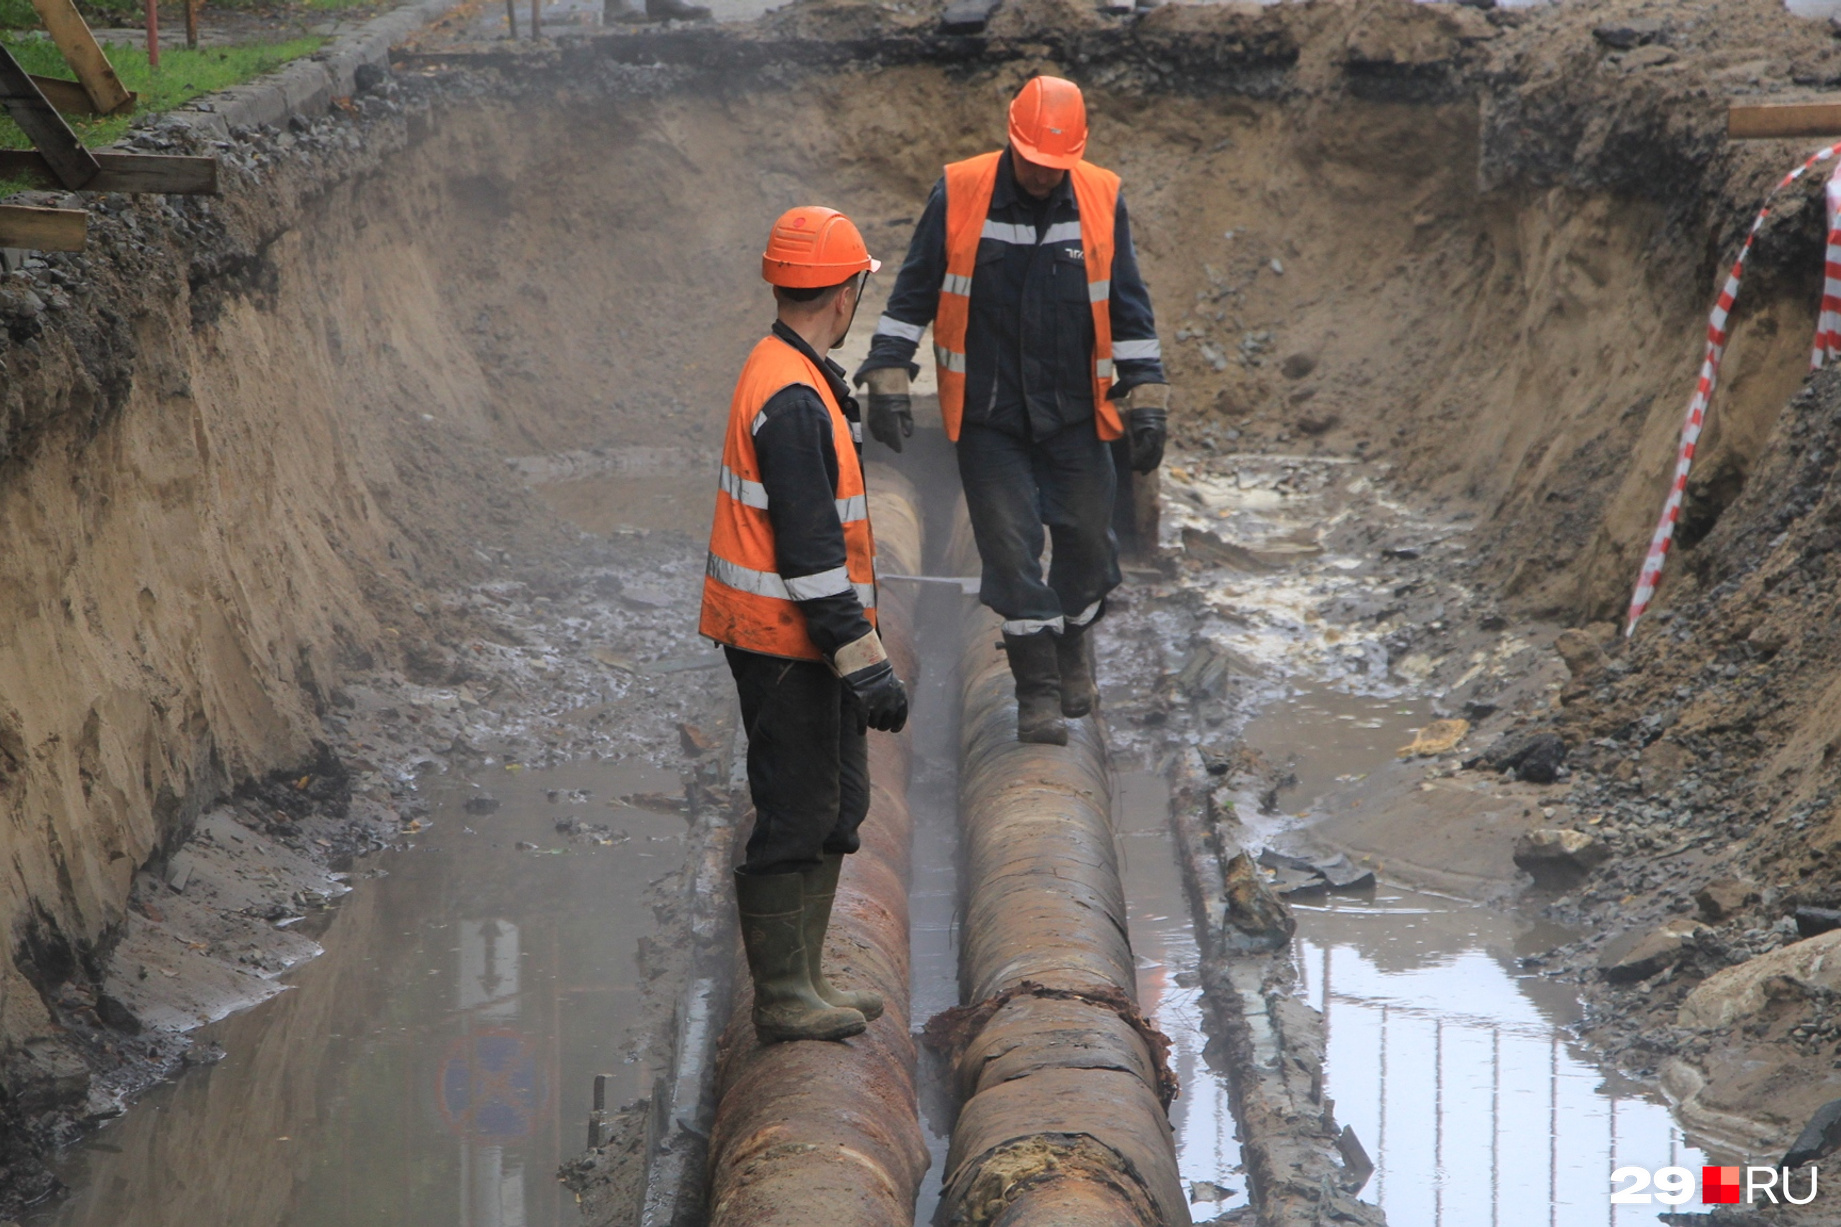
(1827, 346)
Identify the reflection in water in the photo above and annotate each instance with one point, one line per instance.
(1449, 1059)
(1455, 1071)
(432, 1068)
(1170, 994)
(933, 890)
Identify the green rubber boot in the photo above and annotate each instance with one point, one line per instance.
(786, 1006)
(820, 890)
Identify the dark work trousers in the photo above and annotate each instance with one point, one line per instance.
(1016, 486)
(808, 766)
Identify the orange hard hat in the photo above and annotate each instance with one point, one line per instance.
(811, 247)
(1048, 122)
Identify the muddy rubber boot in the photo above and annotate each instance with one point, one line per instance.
(820, 891)
(1074, 655)
(786, 1007)
(1038, 688)
(675, 10)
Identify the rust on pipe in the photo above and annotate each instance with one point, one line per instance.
(1062, 1081)
(830, 1132)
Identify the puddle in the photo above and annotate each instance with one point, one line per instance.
(1451, 1061)
(1170, 994)
(1323, 739)
(435, 1065)
(933, 889)
(1454, 1068)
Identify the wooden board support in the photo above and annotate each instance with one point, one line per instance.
(72, 35)
(43, 229)
(74, 165)
(122, 172)
(67, 96)
(1776, 120)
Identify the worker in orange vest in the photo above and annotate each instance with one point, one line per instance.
(790, 593)
(1047, 352)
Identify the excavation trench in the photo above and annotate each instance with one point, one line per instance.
(398, 380)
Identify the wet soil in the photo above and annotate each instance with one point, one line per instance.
(1410, 450)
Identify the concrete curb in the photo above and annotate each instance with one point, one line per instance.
(307, 87)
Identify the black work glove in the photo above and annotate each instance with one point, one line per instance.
(882, 701)
(891, 409)
(1147, 429)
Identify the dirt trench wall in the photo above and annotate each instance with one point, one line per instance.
(1480, 248)
(245, 438)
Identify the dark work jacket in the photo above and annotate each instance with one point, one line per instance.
(794, 447)
(1029, 342)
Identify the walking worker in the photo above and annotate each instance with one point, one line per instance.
(790, 593)
(1046, 351)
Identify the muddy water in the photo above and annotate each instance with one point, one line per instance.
(435, 1065)
(1448, 1055)
(1170, 994)
(933, 894)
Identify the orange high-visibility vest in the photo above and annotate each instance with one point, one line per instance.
(746, 604)
(969, 185)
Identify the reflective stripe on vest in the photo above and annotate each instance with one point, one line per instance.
(969, 185)
(754, 494)
(799, 588)
(746, 602)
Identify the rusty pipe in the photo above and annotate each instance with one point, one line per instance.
(830, 1133)
(1063, 1082)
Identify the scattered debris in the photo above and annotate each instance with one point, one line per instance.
(1537, 757)
(1639, 955)
(1559, 858)
(1439, 737)
(1724, 898)
(1256, 920)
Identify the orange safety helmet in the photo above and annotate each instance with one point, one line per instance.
(1048, 122)
(812, 247)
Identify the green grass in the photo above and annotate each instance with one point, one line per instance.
(183, 75)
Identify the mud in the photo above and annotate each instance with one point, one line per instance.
(1461, 256)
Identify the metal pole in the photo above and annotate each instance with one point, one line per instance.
(153, 33)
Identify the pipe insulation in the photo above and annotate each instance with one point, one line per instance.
(1063, 1083)
(829, 1133)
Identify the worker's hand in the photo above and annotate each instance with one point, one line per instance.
(891, 409)
(1148, 425)
(882, 701)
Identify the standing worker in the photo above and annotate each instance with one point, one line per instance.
(1042, 331)
(790, 593)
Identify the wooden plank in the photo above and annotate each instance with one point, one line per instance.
(123, 172)
(1781, 119)
(43, 229)
(67, 96)
(72, 35)
(69, 160)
